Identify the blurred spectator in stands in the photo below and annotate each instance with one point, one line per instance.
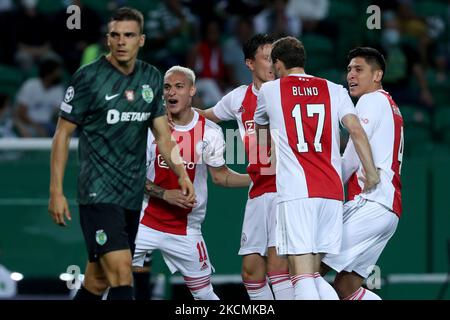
(206, 59)
(39, 98)
(234, 57)
(402, 62)
(171, 30)
(442, 68)
(8, 127)
(8, 34)
(423, 29)
(32, 35)
(6, 5)
(204, 9)
(244, 8)
(314, 17)
(277, 21)
(70, 43)
(94, 50)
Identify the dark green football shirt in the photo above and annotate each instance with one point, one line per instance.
(113, 112)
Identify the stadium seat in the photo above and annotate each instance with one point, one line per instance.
(49, 6)
(144, 6)
(101, 7)
(442, 124)
(334, 75)
(429, 8)
(343, 10)
(10, 79)
(320, 51)
(415, 139)
(439, 88)
(417, 129)
(415, 114)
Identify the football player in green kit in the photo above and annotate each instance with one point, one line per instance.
(112, 102)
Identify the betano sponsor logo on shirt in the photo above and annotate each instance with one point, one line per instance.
(114, 116)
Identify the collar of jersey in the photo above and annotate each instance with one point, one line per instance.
(254, 90)
(190, 125)
(110, 65)
(300, 75)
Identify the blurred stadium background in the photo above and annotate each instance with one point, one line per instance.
(414, 36)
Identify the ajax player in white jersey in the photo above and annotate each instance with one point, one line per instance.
(304, 114)
(170, 223)
(370, 219)
(260, 259)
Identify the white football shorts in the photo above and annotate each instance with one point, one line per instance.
(258, 228)
(309, 225)
(368, 226)
(184, 253)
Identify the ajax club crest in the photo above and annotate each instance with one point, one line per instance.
(147, 93)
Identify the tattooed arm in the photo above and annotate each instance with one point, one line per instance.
(174, 197)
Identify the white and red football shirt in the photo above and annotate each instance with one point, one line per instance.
(304, 114)
(240, 105)
(201, 144)
(381, 119)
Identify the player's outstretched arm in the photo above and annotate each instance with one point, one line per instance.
(171, 154)
(362, 147)
(174, 197)
(208, 114)
(57, 206)
(225, 177)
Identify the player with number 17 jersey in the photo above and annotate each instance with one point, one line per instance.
(304, 116)
(304, 113)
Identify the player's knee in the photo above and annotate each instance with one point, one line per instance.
(253, 268)
(95, 284)
(344, 286)
(124, 275)
(120, 274)
(277, 264)
(253, 274)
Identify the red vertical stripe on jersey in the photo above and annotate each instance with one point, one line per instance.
(261, 183)
(353, 188)
(160, 215)
(321, 178)
(396, 182)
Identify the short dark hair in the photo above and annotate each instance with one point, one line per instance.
(372, 56)
(290, 51)
(251, 46)
(128, 14)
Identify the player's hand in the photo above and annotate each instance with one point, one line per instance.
(187, 188)
(176, 197)
(370, 181)
(59, 209)
(170, 120)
